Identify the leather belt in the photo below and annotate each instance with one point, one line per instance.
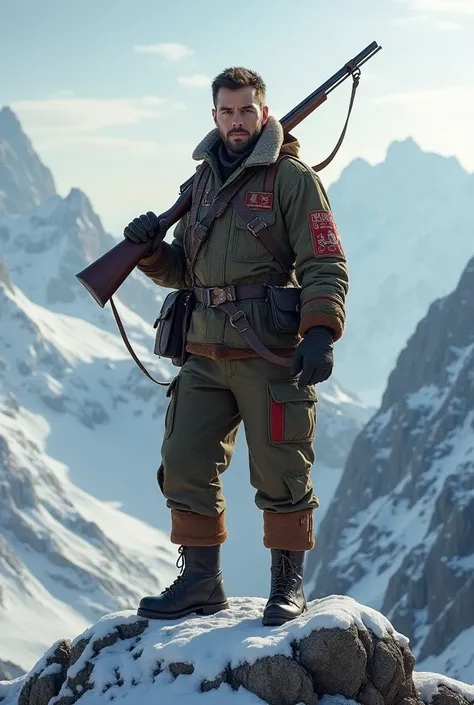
(223, 297)
(214, 296)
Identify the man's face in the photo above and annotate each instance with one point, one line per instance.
(239, 118)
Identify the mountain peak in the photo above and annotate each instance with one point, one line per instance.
(406, 146)
(25, 182)
(8, 118)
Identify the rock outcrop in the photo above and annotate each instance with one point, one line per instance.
(338, 647)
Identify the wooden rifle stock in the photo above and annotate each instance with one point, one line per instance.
(103, 277)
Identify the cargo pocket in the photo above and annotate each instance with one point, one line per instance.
(171, 392)
(247, 247)
(299, 484)
(292, 412)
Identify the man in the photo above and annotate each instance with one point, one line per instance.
(247, 366)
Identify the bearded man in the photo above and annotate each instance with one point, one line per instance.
(261, 252)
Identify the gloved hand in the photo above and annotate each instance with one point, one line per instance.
(314, 356)
(146, 228)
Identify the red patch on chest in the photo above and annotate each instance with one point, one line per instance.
(324, 234)
(259, 200)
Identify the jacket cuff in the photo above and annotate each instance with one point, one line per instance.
(322, 312)
(156, 264)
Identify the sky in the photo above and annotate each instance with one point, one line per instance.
(115, 94)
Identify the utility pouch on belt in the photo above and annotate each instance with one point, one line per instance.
(172, 326)
(284, 303)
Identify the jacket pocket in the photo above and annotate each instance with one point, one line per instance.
(172, 393)
(292, 412)
(247, 247)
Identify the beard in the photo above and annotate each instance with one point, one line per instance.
(245, 144)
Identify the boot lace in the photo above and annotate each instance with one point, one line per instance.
(178, 582)
(284, 578)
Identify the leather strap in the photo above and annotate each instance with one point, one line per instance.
(219, 204)
(223, 298)
(258, 228)
(355, 71)
(240, 322)
(129, 347)
(270, 174)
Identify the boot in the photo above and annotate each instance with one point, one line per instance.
(198, 589)
(287, 599)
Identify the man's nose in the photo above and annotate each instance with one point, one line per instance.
(237, 121)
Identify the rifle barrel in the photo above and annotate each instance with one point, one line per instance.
(335, 80)
(322, 91)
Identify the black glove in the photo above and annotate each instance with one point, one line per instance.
(314, 356)
(146, 228)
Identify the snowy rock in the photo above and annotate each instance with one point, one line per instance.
(338, 649)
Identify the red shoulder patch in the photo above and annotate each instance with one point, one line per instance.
(324, 234)
(259, 200)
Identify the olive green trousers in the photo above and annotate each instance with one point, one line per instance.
(207, 402)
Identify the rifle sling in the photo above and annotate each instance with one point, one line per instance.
(129, 347)
(355, 82)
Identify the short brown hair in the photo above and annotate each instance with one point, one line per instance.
(237, 77)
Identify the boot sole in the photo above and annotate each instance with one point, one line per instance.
(277, 621)
(201, 610)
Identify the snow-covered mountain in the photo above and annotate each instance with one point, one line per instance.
(64, 361)
(408, 230)
(65, 557)
(24, 180)
(399, 533)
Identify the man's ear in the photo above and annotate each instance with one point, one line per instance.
(265, 114)
(214, 116)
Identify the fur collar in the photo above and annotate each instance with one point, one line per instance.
(265, 151)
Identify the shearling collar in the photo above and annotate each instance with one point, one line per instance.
(266, 150)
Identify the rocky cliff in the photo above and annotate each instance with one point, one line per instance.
(399, 531)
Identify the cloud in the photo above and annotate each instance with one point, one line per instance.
(443, 25)
(452, 96)
(452, 7)
(79, 115)
(197, 80)
(170, 51)
(434, 14)
(136, 147)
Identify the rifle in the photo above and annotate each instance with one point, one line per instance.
(103, 277)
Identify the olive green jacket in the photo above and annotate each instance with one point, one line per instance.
(300, 218)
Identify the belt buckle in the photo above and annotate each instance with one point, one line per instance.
(220, 294)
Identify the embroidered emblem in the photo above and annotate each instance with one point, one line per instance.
(325, 235)
(259, 200)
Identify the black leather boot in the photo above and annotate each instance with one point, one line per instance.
(287, 599)
(198, 589)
